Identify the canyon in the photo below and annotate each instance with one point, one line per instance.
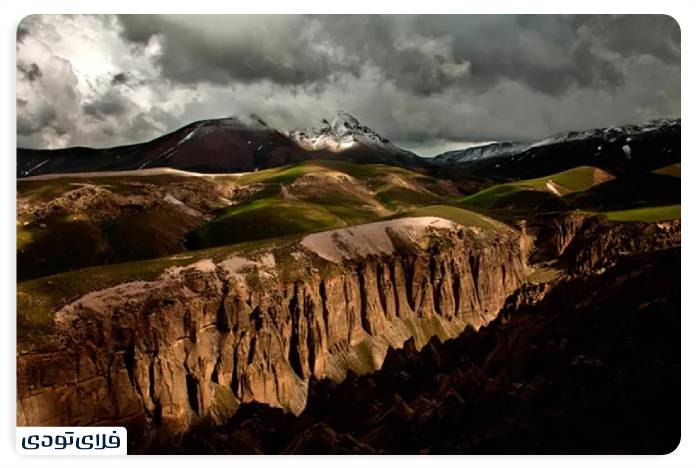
(190, 346)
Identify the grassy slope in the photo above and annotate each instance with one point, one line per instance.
(649, 214)
(90, 240)
(279, 175)
(271, 214)
(263, 218)
(632, 197)
(87, 238)
(572, 180)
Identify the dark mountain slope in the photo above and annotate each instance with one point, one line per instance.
(225, 145)
(220, 146)
(631, 148)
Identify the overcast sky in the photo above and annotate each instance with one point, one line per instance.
(428, 83)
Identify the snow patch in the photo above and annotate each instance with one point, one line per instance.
(552, 188)
(236, 266)
(102, 302)
(169, 198)
(36, 167)
(204, 266)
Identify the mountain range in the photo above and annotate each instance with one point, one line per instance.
(248, 144)
(226, 145)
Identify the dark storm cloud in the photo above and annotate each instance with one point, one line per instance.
(546, 53)
(46, 116)
(278, 49)
(422, 81)
(656, 35)
(109, 104)
(29, 71)
(424, 54)
(22, 32)
(120, 78)
(396, 47)
(295, 50)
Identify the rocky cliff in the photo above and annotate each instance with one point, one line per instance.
(190, 346)
(598, 244)
(554, 232)
(588, 365)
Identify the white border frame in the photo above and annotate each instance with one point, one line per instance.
(13, 12)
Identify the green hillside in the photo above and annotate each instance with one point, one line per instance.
(557, 185)
(649, 214)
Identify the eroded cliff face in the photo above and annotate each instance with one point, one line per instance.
(553, 233)
(187, 348)
(598, 244)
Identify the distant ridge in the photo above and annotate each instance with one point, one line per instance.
(628, 148)
(228, 145)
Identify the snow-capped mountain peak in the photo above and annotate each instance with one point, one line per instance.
(341, 133)
(601, 138)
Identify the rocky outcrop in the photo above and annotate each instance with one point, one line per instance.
(600, 243)
(196, 197)
(189, 347)
(554, 232)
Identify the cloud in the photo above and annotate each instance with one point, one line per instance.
(120, 78)
(22, 32)
(424, 82)
(222, 48)
(29, 71)
(108, 104)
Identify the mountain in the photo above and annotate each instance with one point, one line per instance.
(342, 133)
(222, 145)
(355, 142)
(628, 148)
(474, 153)
(235, 144)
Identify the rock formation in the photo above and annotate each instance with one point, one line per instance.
(190, 346)
(598, 244)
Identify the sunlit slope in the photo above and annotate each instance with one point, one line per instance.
(315, 196)
(672, 170)
(649, 214)
(108, 218)
(639, 196)
(542, 193)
